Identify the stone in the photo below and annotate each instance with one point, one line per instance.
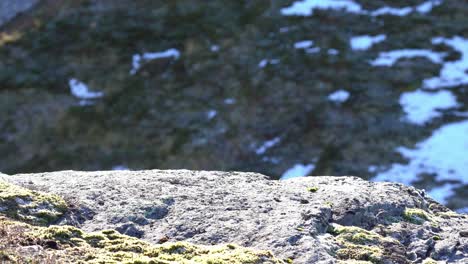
(375, 220)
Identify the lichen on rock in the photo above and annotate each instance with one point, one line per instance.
(415, 215)
(30, 206)
(363, 245)
(68, 243)
(165, 216)
(21, 207)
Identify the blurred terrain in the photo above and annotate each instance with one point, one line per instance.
(241, 96)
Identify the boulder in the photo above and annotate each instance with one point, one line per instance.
(303, 220)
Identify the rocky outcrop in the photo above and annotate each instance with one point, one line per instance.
(304, 220)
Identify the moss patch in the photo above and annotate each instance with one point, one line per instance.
(416, 216)
(30, 206)
(109, 246)
(68, 244)
(357, 244)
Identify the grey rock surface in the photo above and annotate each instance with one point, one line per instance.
(11, 8)
(293, 218)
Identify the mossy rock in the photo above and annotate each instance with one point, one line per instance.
(30, 206)
(416, 216)
(68, 243)
(73, 245)
(358, 244)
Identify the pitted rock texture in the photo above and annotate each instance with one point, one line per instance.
(297, 219)
(11, 8)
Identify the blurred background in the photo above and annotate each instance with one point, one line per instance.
(372, 88)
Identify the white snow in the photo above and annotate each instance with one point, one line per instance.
(81, 91)
(304, 44)
(263, 63)
(138, 58)
(211, 114)
(444, 153)
(427, 6)
(390, 57)
(386, 10)
(453, 73)
(307, 7)
(268, 144)
(339, 96)
(423, 8)
(421, 106)
(365, 42)
(229, 101)
(298, 170)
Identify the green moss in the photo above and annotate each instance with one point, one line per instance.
(30, 206)
(358, 244)
(366, 253)
(109, 246)
(312, 189)
(449, 214)
(415, 216)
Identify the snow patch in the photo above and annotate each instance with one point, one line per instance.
(444, 154)
(139, 58)
(298, 170)
(268, 144)
(211, 114)
(453, 73)
(365, 42)
(420, 106)
(386, 10)
(263, 63)
(307, 7)
(304, 44)
(391, 57)
(339, 96)
(81, 91)
(427, 7)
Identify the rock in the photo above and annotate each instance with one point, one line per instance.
(345, 218)
(130, 230)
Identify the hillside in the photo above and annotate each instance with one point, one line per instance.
(374, 88)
